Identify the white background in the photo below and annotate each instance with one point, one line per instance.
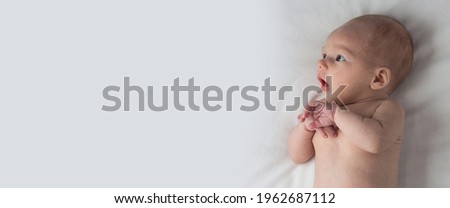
(57, 56)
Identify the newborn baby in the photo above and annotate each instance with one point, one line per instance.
(356, 135)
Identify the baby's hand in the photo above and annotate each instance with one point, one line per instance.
(320, 119)
(321, 115)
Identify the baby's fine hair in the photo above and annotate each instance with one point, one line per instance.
(392, 44)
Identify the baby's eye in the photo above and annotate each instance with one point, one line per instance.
(340, 58)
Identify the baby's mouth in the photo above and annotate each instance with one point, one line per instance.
(323, 84)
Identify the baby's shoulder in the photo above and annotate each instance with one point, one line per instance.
(389, 108)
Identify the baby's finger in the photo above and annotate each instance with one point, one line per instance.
(305, 115)
(310, 107)
(301, 117)
(321, 131)
(335, 127)
(330, 131)
(312, 125)
(335, 130)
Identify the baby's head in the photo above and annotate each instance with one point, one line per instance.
(371, 54)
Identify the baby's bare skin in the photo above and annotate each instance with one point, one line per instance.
(340, 162)
(364, 154)
(359, 145)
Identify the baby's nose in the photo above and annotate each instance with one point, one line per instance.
(322, 65)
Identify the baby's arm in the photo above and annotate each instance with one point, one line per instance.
(300, 144)
(372, 134)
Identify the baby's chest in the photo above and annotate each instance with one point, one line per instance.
(326, 145)
(334, 146)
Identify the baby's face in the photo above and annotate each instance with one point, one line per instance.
(345, 59)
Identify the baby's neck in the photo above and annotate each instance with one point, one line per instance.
(369, 98)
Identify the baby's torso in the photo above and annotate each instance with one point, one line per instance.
(339, 163)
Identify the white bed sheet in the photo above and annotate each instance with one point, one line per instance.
(304, 25)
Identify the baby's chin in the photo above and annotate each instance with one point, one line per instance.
(322, 96)
(329, 98)
(335, 101)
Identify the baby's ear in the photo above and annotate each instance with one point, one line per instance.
(382, 77)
